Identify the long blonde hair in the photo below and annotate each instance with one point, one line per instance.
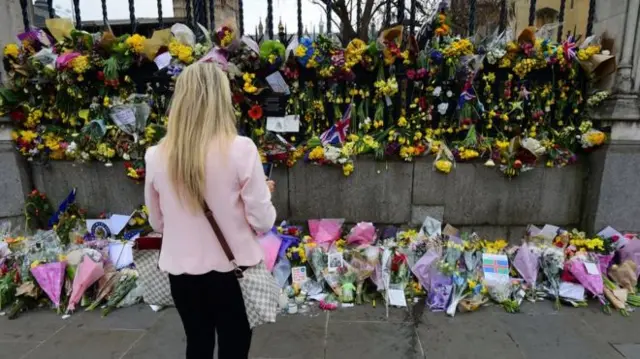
(201, 112)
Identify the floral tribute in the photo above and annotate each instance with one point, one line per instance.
(512, 103)
(65, 263)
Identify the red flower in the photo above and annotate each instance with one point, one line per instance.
(615, 238)
(292, 231)
(237, 98)
(128, 165)
(567, 276)
(100, 75)
(517, 164)
(255, 112)
(411, 74)
(17, 116)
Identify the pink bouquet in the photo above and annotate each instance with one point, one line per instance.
(63, 60)
(270, 244)
(88, 272)
(50, 277)
(325, 231)
(591, 281)
(363, 233)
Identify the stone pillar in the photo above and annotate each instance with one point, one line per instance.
(613, 193)
(15, 181)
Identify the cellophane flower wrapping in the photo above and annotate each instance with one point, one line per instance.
(604, 261)
(282, 271)
(423, 269)
(363, 233)
(318, 262)
(552, 262)
(439, 291)
(631, 251)
(88, 272)
(50, 277)
(457, 293)
(591, 282)
(270, 244)
(526, 263)
(362, 263)
(472, 259)
(325, 231)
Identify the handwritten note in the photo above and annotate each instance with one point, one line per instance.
(591, 268)
(397, 298)
(299, 275)
(289, 123)
(124, 117)
(163, 60)
(277, 83)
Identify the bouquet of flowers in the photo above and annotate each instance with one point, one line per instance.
(459, 293)
(552, 263)
(504, 293)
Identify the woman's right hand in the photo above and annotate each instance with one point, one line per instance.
(272, 186)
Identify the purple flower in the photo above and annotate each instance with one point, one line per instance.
(437, 57)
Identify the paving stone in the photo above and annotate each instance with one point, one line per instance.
(630, 351)
(291, 337)
(619, 329)
(366, 313)
(476, 335)
(72, 343)
(34, 326)
(372, 341)
(13, 350)
(164, 340)
(136, 317)
(556, 336)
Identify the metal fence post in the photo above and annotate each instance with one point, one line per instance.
(132, 15)
(105, 18)
(328, 17)
(76, 8)
(300, 26)
(472, 17)
(592, 17)
(532, 12)
(241, 16)
(270, 19)
(160, 18)
(563, 4)
(503, 15)
(25, 14)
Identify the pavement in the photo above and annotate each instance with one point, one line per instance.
(538, 332)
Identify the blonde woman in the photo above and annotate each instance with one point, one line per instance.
(203, 160)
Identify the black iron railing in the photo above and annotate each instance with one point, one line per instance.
(203, 12)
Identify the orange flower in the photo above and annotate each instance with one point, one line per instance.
(442, 18)
(255, 112)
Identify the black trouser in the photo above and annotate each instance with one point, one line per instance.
(208, 304)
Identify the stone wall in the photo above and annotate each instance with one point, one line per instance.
(393, 192)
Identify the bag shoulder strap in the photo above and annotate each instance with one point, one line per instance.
(216, 229)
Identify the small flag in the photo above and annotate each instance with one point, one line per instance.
(337, 134)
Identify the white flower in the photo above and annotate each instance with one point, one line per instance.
(108, 164)
(72, 147)
(437, 91)
(443, 107)
(85, 155)
(331, 153)
(449, 93)
(126, 157)
(490, 163)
